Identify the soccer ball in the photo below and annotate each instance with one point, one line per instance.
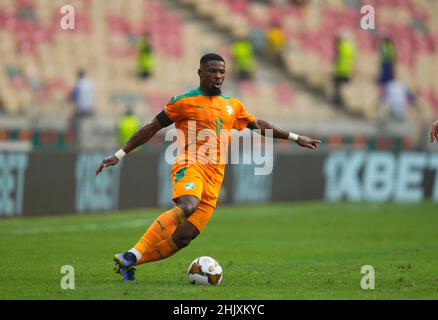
(205, 271)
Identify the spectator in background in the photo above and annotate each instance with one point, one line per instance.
(434, 132)
(345, 58)
(276, 43)
(145, 58)
(387, 61)
(2, 106)
(82, 96)
(243, 59)
(396, 98)
(128, 124)
(258, 39)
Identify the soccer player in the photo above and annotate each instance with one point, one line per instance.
(196, 183)
(434, 132)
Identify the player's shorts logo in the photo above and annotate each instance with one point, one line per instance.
(229, 109)
(190, 186)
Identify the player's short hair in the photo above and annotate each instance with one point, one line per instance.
(211, 57)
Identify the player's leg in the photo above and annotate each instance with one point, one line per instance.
(187, 190)
(161, 229)
(181, 238)
(166, 224)
(191, 228)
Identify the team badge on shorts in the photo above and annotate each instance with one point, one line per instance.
(190, 186)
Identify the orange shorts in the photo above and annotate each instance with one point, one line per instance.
(201, 216)
(192, 180)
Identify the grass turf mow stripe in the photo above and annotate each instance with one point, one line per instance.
(309, 250)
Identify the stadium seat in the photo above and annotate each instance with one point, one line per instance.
(33, 45)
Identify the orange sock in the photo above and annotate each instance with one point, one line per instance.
(160, 229)
(161, 250)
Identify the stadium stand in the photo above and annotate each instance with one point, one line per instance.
(40, 60)
(311, 29)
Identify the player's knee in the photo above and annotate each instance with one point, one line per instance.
(189, 205)
(184, 235)
(182, 243)
(190, 208)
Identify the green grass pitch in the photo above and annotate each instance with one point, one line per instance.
(308, 250)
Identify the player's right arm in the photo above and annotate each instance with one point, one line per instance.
(434, 132)
(137, 139)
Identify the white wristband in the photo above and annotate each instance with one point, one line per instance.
(120, 154)
(293, 136)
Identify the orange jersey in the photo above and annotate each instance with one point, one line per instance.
(205, 123)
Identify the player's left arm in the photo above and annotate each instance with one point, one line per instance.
(279, 133)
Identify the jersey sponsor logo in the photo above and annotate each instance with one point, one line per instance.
(229, 109)
(190, 186)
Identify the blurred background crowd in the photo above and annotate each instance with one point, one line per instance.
(306, 65)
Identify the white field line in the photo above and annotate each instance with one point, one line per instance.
(82, 227)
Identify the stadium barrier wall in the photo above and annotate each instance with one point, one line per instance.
(58, 183)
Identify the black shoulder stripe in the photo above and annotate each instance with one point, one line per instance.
(163, 119)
